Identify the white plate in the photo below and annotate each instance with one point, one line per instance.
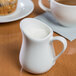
(24, 8)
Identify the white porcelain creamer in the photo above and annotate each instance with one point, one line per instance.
(37, 54)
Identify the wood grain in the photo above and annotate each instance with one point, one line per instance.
(10, 44)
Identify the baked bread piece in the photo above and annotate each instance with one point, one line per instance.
(7, 6)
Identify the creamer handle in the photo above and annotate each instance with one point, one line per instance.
(64, 42)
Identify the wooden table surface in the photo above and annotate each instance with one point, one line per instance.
(10, 44)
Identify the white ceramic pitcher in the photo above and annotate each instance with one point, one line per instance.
(38, 55)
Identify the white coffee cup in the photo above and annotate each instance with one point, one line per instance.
(64, 14)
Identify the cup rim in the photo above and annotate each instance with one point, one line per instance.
(63, 4)
(45, 25)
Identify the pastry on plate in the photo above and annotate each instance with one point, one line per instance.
(7, 6)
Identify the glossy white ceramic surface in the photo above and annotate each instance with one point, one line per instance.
(64, 14)
(24, 8)
(38, 55)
